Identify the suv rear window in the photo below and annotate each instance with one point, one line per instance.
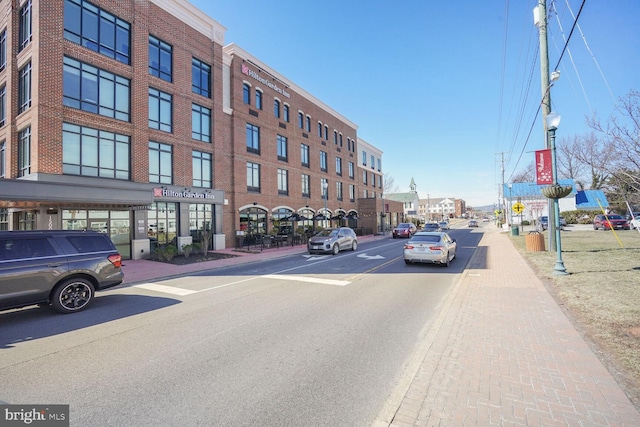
(25, 248)
(88, 243)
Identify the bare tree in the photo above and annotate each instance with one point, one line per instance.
(389, 186)
(596, 156)
(528, 174)
(569, 164)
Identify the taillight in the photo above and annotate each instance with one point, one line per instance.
(408, 246)
(116, 260)
(436, 248)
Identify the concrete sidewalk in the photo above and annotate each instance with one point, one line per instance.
(502, 353)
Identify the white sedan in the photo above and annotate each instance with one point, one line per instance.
(430, 247)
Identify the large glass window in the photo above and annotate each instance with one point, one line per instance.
(25, 25)
(323, 161)
(306, 185)
(160, 110)
(200, 123)
(94, 90)
(3, 49)
(24, 88)
(253, 138)
(282, 147)
(3, 105)
(163, 220)
(3, 159)
(253, 177)
(202, 170)
(246, 93)
(283, 182)
(93, 152)
(201, 220)
(160, 163)
(24, 152)
(160, 54)
(200, 78)
(95, 29)
(304, 155)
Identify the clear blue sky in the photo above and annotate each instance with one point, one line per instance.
(444, 87)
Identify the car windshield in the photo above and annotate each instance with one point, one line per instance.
(403, 225)
(327, 233)
(614, 216)
(425, 238)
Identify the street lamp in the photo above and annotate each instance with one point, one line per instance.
(325, 187)
(553, 120)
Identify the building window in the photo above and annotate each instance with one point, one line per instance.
(326, 132)
(160, 54)
(94, 90)
(285, 113)
(253, 177)
(308, 124)
(352, 170)
(24, 88)
(304, 155)
(3, 49)
(253, 138)
(160, 110)
(323, 161)
(3, 105)
(160, 163)
(282, 147)
(340, 143)
(324, 188)
(339, 190)
(364, 177)
(24, 152)
(200, 123)
(335, 137)
(201, 169)
(379, 165)
(258, 99)
(373, 162)
(3, 159)
(246, 93)
(283, 182)
(300, 120)
(364, 158)
(92, 152)
(95, 29)
(352, 193)
(306, 185)
(338, 166)
(320, 129)
(276, 108)
(25, 25)
(200, 78)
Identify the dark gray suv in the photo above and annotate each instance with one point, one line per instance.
(61, 268)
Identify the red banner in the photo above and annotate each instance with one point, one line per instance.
(544, 172)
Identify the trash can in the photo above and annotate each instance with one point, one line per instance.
(514, 230)
(534, 241)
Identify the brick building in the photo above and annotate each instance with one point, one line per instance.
(133, 118)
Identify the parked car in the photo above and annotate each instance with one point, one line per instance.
(333, 240)
(473, 223)
(544, 222)
(607, 222)
(443, 225)
(430, 247)
(634, 221)
(60, 268)
(430, 226)
(404, 229)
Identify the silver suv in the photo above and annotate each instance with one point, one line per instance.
(333, 240)
(61, 268)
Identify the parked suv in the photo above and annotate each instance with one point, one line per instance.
(61, 268)
(607, 222)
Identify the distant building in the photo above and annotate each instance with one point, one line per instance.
(410, 201)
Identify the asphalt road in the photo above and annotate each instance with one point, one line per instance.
(301, 341)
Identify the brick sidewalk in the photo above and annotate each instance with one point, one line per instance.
(503, 353)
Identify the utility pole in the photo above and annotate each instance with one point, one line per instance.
(502, 216)
(540, 20)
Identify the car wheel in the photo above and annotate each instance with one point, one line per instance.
(72, 295)
(335, 249)
(354, 245)
(394, 236)
(406, 261)
(448, 261)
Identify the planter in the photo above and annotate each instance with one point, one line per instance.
(556, 191)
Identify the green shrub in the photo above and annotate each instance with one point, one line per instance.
(166, 253)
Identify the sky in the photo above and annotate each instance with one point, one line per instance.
(448, 90)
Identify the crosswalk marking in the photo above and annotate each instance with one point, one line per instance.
(307, 279)
(165, 289)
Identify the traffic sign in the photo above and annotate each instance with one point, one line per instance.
(518, 207)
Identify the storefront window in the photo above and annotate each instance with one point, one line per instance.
(201, 221)
(253, 221)
(117, 224)
(163, 221)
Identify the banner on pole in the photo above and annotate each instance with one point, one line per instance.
(544, 173)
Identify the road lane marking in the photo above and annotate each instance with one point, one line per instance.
(307, 279)
(165, 289)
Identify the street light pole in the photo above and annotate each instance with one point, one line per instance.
(553, 120)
